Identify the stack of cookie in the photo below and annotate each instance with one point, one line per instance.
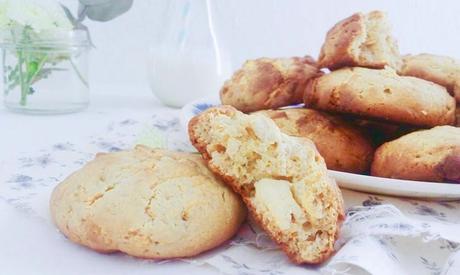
(362, 102)
(160, 204)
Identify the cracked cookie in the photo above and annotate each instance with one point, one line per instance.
(344, 147)
(426, 155)
(283, 179)
(147, 203)
(442, 70)
(382, 95)
(268, 83)
(363, 40)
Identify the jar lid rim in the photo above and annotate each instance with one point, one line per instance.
(75, 37)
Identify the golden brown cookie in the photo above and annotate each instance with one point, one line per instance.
(426, 155)
(442, 70)
(360, 40)
(283, 180)
(343, 146)
(147, 203)
(268, 83)
(382, 95)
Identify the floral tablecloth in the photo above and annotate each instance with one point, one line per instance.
(381, 235)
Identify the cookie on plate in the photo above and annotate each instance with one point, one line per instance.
(382, 95)
(380, 132)
(147, 203)
(442, 70)
(343, 146)
(360, 40)
(457, 115)
(283, 179)
(426, 155)
(268, 83)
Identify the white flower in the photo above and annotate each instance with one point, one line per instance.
(40, 15)
(4, 21)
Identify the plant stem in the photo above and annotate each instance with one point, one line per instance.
(5, 78)
(37, 71)
(24, 85)
(83, 80)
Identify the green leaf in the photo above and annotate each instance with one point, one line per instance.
(77, 22)
(96, 2)
(103, 10)
(32, 67)
(43, 73)
(70, 16)
(13, 72)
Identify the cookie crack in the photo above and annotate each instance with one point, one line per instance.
(99, 196)
(148, 207)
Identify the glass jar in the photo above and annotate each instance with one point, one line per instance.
(45, 73)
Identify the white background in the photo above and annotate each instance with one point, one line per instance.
(256, 28)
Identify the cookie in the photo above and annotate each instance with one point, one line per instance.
(343, 146)
(268, 83)
(282, 179)
(457, 115)
(426, 155)
(382, 95)
(380, 132)
(147, 203)
(442, 70)
(360, 40)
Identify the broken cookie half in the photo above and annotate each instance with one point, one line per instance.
(282, 179)
(363, 40)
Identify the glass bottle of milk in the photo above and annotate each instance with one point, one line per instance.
(187, 62)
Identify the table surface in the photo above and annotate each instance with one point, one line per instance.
(32, 245)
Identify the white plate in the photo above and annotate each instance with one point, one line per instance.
(395, 187)
(370, 184)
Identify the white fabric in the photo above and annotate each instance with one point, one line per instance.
(381, 235)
